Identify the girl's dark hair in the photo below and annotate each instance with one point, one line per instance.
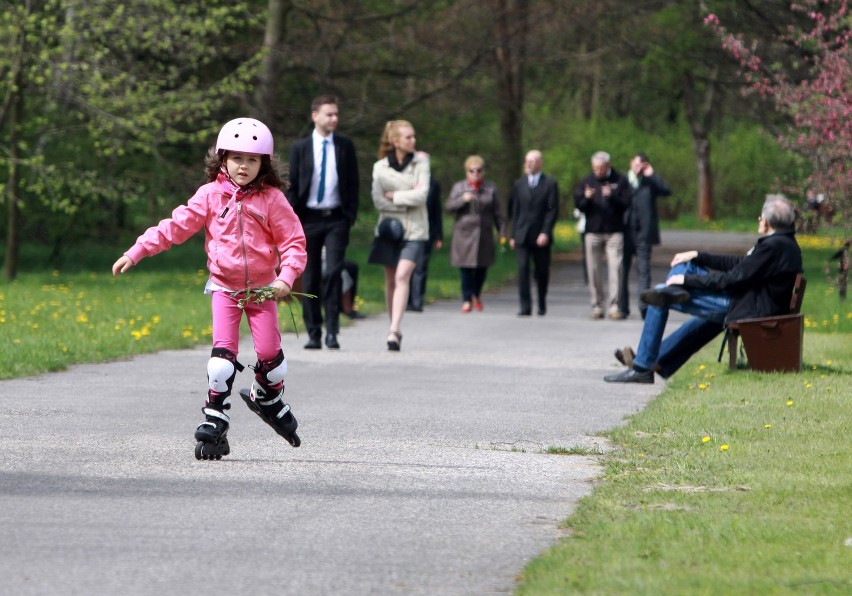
(271, 170)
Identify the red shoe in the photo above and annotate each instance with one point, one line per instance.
(477, 303)
(466, 307)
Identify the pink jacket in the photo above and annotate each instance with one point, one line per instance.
(247, 238)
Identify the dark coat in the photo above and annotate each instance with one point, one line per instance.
(533, 211)
(433, 207)
(642, 217)
(760, 283)
(473, 239)
(604, 215)
(302, 169)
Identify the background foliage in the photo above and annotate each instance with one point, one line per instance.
(108, 107)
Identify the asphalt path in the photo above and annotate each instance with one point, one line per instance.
(426, 471)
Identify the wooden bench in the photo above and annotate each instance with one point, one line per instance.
(772, 343)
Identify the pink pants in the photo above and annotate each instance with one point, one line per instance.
(262, 320)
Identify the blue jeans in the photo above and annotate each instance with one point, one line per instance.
(708, 312)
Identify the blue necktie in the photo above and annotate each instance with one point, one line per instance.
(321, 187)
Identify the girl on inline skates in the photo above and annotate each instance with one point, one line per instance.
(251, 232)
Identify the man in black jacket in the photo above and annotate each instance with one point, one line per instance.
(533, 207)
(642, 228)
(417, 287)
(715, 289)
(324, 194)
(603, 196)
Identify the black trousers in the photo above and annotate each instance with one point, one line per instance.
(331, 232)
(539, 256)
(417, 287)
(643, 274)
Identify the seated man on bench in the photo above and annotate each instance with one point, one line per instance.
(716, 289)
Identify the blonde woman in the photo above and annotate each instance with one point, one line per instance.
(400, 185)
(474, 203)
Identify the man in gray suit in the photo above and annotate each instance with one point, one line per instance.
(533, 206)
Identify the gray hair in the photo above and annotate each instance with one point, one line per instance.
(601, 156)
(778, 212)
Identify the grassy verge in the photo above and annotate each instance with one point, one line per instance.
(727, 483)
(54, 319)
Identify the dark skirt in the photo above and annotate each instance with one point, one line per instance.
(389, 252)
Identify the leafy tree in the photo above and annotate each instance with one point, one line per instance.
(94, 89)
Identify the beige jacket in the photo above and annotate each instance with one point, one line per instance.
(410, 188)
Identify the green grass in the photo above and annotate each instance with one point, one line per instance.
(51, 320)
(728, 482)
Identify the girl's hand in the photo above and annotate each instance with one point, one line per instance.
(122, 265)
(283, 289)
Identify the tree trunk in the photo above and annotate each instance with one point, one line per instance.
(266, 95)
(13, 224)
(699, 113)
(706, 206)
(510, 45)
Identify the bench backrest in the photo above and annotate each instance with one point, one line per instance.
(798, 294)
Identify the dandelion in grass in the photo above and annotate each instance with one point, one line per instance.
(705, 439)
(767, 426)
(789, 402)
(808, 385)
(704, 386)
(723, 448)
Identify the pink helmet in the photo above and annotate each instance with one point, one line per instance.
(245, 135)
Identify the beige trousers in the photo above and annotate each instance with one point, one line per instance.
(600, 249)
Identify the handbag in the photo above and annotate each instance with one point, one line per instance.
(390, 228)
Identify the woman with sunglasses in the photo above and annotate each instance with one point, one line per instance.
(474, 203)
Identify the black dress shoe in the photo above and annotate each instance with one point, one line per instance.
(331, 341)
(524, 313)
(665, 297)
(542, 312)
(313, 344)
(631, 375)
(411, 308)
(355, 315)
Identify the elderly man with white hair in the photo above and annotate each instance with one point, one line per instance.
(603, 196)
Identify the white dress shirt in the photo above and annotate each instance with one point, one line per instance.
(331, 198)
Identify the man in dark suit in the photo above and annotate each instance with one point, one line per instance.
(533, 206)
(417, 293)
(324, 194)
(641, 228)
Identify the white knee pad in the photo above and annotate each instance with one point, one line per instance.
(220, 374)
(277, 374)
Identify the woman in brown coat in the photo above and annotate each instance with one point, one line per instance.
(474, 203)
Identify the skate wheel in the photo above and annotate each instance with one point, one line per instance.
(295, 441)
(199, 448)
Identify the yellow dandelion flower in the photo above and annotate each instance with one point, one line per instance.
(828, 362)
(723, 448)
(705, 439)
(767, 426)
(789, 402)
(82, 318)
(137, 335)
(808, 385)
(702, 367)
(155, 319)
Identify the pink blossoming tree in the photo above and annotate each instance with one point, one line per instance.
(816, 99)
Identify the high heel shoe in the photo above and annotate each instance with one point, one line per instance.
(394, 340)
(466, 307)
(477, 304)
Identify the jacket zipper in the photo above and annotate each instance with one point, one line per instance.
(243, 240)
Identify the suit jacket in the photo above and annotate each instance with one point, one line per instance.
(302, 169)
(533, 211)
(433, 207)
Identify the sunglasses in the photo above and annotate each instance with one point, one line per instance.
(475, 170)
